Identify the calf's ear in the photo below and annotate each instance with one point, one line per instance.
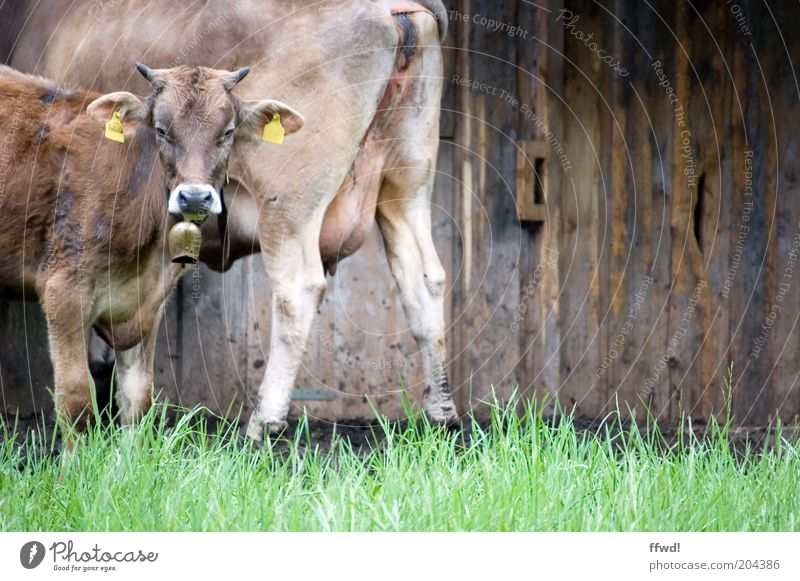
(254, 115)
(131, 109)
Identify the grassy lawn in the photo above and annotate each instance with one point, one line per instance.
(526, 474)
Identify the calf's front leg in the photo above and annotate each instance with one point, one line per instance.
(134, 377)
(68, 334)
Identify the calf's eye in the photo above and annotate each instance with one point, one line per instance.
(225, 137)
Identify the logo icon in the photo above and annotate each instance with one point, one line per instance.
(31, 554)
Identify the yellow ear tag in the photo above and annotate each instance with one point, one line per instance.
(114, 130)
(273, 131)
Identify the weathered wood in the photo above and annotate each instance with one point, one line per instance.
(652, 336)
(755, 286)
(689, 295)
(26, 376)
(582, 222)
(539, 75)
(784, 388)
(625, 177)
(620, 281)
(710, 96)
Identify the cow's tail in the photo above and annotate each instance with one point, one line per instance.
(435, 7)
(439, 12)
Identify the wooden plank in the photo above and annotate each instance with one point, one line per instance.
(447, 126)
(625, 174)
(689, 292)
(784, 388)
(540, 77)
(166, 366)
(212, 332)
(26, 375)
(460, 376)
(717, 223)
(706, 106)
(652, 332)
(581, 221)
(488, 349)
(755, 286)
(546, 321)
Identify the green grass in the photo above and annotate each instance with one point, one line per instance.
(519, 474)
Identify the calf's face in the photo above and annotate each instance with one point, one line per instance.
(196, 119)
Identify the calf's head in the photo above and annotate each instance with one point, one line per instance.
(196, 119)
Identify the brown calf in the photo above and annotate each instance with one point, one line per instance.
(84, 218)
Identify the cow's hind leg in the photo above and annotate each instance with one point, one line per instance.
(404, 211)
(404, 217)
(295, 271)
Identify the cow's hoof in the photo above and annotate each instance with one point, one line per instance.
(444, 416)
(256, 429)
(276, 428)
(441, 412)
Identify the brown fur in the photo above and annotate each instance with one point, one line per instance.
(83, 219)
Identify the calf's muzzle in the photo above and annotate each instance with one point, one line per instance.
(194, 201)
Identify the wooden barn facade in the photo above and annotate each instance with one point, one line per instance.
(615, 208)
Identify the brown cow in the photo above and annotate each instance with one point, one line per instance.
(368, 77)
(83, 219)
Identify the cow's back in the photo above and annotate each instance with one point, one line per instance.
(288, 43)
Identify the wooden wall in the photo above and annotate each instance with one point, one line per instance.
(583, 262)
